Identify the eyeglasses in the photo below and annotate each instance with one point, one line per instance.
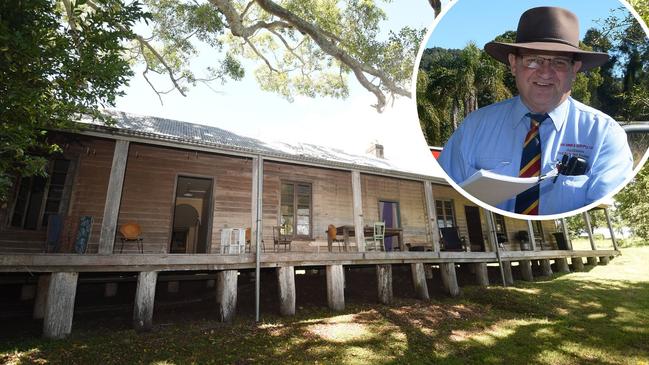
(559, 64)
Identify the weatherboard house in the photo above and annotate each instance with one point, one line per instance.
(150, 196)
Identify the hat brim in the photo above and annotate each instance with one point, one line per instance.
(589, 60)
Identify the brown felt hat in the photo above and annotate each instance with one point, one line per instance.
(547, 28)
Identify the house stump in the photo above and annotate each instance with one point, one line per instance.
(286, 285)
(335, 287)
(384, 283)
(419, 281)
(59, 309)
(226, 294)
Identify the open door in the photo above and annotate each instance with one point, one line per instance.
(191, 215)
(474, 226)
(389, 213)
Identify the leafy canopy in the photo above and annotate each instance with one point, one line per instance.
(57, 61)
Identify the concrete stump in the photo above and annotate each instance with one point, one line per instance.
(42, 287)
(526, 270)
(481, 273)
(428, 269)
(384, 283)
(507, 271)
(59, 309)
(577, 264)
(546, 268)
(210, 283)
(144, 300)
(419, 281)
(449, 278)
(592, 261)
(226, 294)
(604, 260)
(286, 281)
(335, 287)
(562, 264)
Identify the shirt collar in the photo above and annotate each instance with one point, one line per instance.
(558, 115)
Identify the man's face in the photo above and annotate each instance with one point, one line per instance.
(543, 79)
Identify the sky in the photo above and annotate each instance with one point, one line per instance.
(350, 124)
(481, 21)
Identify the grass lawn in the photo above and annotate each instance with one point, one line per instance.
(596, 317)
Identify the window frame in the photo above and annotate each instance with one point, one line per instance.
(62, 200)
(501, 218)
(294, 235)
(451, 202)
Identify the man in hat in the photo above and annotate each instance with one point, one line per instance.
(543, 130)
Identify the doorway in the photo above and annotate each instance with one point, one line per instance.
(389, 213)
(191, 219)
(474, 226)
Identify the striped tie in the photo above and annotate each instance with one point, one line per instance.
(527, 202)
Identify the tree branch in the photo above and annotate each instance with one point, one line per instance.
(318, 35)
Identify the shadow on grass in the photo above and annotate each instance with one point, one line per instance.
(567, 319)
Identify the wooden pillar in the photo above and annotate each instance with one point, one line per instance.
(507, 272)
(589, 230)
(432, 216)
(226, 294)
(526, 270)
(604, 260)
(419, 281)
(564, 226)
(60, 305)
(530, 232)
(335, 287)
(42, 288)
(144, 300)
(546, 268)
(577, 263)
(110, 290)
(481, 273)
(357, 199)
(286, 281)
(562, 264)
(113, 198)
(384, 283)
(592, 260)
(610, 228)
(449, 278)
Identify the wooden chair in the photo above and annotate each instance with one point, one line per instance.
(233, 241)
(280, 239)
(377, 241)
(451, 239)
(249, 240)
(332, 238)
(131, 232)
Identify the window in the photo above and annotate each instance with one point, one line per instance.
(537, 227)
(499, 220)
(40, 197)
(445, 213)
(296, 210)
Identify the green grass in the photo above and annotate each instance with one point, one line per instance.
(596, 317)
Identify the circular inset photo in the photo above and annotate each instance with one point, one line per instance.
(528, 102)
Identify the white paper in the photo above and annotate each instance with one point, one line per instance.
(492, 188)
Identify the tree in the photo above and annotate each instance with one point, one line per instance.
(52, 72)
(633, 203)
(301, 47)
(456, 82)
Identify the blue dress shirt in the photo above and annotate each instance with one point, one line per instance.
(491, 138)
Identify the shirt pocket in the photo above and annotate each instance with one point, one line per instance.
(572, 192)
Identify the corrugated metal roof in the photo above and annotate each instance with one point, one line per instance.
(190, 133)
